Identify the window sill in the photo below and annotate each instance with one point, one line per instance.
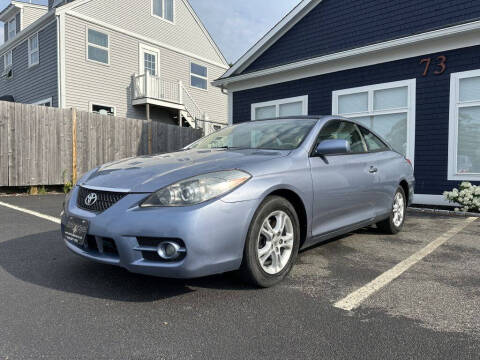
(33, 65)
(98, 62)
(464, 177)
(163, 19)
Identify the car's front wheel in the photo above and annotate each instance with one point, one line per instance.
(272, 243)
(396, 220)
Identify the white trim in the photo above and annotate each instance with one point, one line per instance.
(143, 38)
(142, 48)
(163, 10)
(31, 52)
(278, 102)
(44, 101)
(87, 44)
(198, 76)
(370, 89)
(454, 37)
(61, 60)
(230, 107)
(438, 200)
(92, 103)
(303, 8)
(455, 104)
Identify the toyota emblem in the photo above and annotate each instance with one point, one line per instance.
(91, 199)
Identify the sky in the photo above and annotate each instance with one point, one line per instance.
(235, 25)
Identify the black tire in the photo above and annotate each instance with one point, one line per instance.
(251, 269)
(388, 225)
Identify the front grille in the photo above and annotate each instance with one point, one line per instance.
(104, 199)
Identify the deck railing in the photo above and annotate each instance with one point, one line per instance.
(154, 87)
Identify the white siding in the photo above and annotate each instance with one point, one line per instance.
(136, 16)
(31, 14)
(87, 81)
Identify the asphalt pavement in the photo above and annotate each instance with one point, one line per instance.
(55, 305)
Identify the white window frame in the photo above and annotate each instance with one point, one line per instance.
(7, 67)
(455, 105)
(163, 7)
(198, 76)
(87, 44)
(44, 102)
(92, 103)
(141, 60)
(31, 52)
(411, 84)
(14, 22)
(303, 99)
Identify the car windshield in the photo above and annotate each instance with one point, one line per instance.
(267, 135)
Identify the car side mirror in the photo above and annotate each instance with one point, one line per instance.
(331, 147)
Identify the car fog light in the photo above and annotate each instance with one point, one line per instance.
(168, 250)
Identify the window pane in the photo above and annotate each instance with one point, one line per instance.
(198, 70)
(97, 38)
(266, 112)
(169, 10)
(373, 142)
(158, 7)
(390, 98)
(468, 156)
(34, 58)
(348, 104)
(365, 120)
(97, 54)
(103, 110)
(291, 109)
(199, 82)
(341, 130)
(470, 89)
(33, 42)
(150, 62)
(393, 128)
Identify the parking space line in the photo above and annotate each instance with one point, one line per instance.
(354, 300)
(31, 212)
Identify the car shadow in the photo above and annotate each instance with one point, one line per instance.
(42, 259)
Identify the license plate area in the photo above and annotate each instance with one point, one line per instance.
(75, 230)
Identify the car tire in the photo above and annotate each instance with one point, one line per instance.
(394, 223)
(282, 243)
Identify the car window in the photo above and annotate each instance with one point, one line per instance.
(373, 142)
(343, 130)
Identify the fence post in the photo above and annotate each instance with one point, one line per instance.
(74, 146)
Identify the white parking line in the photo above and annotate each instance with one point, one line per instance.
(354, 300)
(30, 212)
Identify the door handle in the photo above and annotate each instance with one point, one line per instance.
(373, 170)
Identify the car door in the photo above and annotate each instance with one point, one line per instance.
(342, 183)
(384, 161)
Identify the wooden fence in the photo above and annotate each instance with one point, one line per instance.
(45, 146)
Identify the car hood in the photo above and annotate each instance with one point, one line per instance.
(150, 173)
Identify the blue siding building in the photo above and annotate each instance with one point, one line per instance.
(410, 70)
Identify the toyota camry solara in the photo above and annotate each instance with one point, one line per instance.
(245, 198)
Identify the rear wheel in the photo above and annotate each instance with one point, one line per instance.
(272, 243)
(394, 223)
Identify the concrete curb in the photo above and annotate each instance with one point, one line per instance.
(442, 212)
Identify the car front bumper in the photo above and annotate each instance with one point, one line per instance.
(213, 233)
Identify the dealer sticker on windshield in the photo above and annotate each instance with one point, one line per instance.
(75, 230)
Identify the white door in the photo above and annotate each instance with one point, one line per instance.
(149, 65)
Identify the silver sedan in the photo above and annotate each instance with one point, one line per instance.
(245, 198)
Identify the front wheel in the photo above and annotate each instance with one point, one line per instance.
(396, 220)
(272, 243)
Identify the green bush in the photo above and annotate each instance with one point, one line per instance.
(467, 195)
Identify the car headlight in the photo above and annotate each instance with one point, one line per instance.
(197, 189)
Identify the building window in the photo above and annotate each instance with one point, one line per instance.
(12, 28)
(163, 9)
(7, 63)
(198, 76)
(33, 50)
(464, 130)
(388, 109)
(295, 106)
(102, 109)
(150, 63)
(98, 47)
(45, 102)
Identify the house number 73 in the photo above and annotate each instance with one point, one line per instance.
(440, 64)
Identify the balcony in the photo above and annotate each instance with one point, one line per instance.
(153, 90)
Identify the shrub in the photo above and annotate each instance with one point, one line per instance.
(467, 195)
